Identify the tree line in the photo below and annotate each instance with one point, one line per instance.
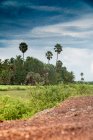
(16, 71)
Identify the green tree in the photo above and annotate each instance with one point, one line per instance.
(67, 77)
(0, 65)
(49, 55)
(59, 65)
(58, 49)
(82, 79)
(51, 74)
(20, 72)
(12, 71)
(4, 77)
(34, 65)
(23, 48)
(30, 79)
(12, 60)
(82, 74)
(59, 71)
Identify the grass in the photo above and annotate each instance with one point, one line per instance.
(17, 102)
(13, 87)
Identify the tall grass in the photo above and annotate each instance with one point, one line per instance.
(24, 101)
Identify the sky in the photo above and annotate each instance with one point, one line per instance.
(44, 23)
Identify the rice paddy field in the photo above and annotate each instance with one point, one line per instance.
(20, 102)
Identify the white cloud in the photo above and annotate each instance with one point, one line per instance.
(79, 60)
(84, 25)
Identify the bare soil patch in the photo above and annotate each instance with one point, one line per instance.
(71, 120)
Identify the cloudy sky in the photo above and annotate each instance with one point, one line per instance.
(42, 24)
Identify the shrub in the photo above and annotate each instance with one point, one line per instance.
(11, 108)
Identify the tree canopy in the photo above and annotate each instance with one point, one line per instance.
(32, 71)
(12, 71)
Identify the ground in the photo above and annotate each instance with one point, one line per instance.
(71, 120)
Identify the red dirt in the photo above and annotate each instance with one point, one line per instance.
(71, 120)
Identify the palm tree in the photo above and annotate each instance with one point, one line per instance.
(23, 48)
(49, 55)
(58, 49)
(82, 79)
(82, 74)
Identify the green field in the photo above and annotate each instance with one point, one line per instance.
(17, 102)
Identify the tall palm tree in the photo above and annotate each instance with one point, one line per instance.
(23, 48)
(49, 55)
(58, 49)
(82, 74)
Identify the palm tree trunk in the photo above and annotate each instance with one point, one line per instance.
(23, 58)
(57, 57)
(48, 61)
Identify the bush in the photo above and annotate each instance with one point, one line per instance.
(83, 89)
(11, 108)
(38, 99)
(46, 97)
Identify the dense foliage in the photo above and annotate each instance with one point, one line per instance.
(32, 71)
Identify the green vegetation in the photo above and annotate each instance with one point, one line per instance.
(23, 48)
(13, 72)
(31, 71)
(58, 49)
(49, 55)
(18, 102)
(50, 85)
(82, 74)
